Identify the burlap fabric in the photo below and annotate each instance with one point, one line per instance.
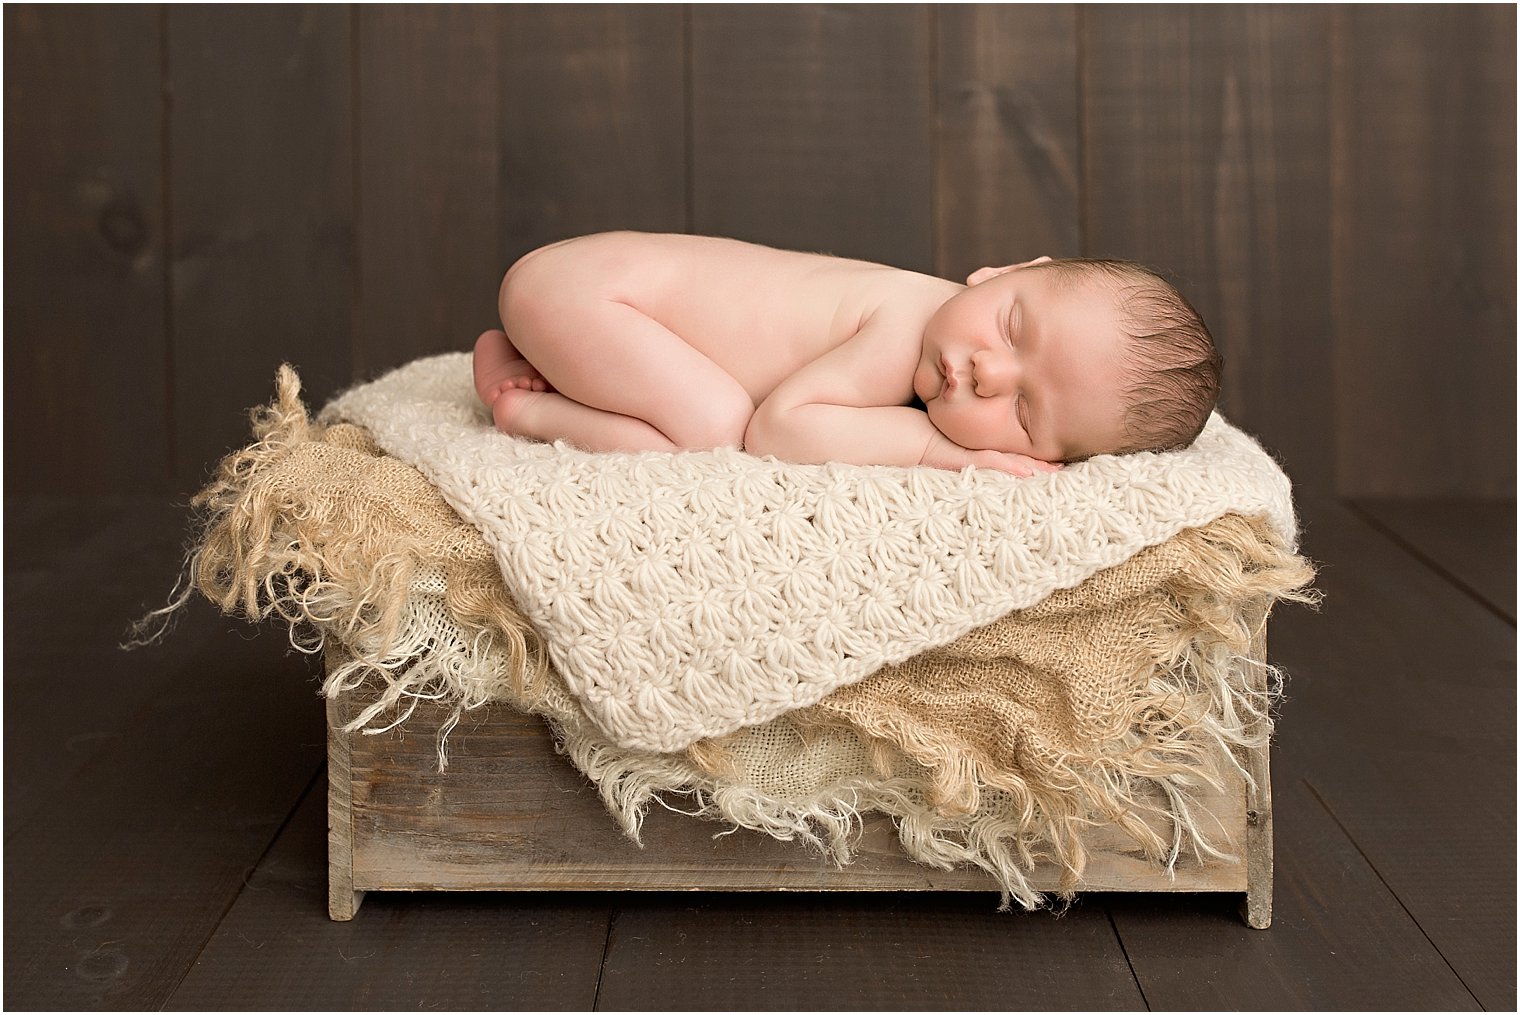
(1108, 703)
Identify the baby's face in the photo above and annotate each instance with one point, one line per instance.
(1024, 363)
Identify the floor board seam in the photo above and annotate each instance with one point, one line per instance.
(601, 967)
(1424, 558)
(318, 777)
(1109, 912)
(1314, 792)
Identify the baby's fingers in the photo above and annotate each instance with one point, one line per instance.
(1027, 466)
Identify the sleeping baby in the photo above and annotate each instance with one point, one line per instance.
(657, 342)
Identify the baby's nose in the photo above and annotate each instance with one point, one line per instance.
(994, 373)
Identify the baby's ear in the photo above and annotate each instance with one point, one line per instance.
(981, 275)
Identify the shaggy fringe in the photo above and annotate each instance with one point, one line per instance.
(270, 550)
(267, 550)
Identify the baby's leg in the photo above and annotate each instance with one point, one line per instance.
(622, 367)
(549, 416)
(499, 366)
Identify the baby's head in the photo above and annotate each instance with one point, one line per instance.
(1171, 368)
(1063, 360)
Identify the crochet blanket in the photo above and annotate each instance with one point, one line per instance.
(686, 596)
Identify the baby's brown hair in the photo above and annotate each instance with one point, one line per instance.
(1172, 367)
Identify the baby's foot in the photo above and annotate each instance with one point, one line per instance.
(507, 411)
(498, 367)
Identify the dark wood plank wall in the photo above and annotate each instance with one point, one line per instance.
(87, 365)
(195, 194)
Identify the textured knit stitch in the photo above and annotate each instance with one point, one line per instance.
(685, 596)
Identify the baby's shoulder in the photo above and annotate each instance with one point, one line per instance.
(902, 296)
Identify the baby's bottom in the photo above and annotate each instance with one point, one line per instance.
(606, 377)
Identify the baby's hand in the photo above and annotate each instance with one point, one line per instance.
(1017, 465)
(943, 453)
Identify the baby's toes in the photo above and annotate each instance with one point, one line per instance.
(507, 411)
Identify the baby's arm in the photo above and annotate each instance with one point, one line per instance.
(839, 409)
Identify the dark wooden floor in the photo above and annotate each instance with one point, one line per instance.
(165, 826)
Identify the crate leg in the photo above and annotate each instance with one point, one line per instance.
(343, 906)
(1256, 908)
(342, 900)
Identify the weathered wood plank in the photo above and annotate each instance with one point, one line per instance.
(842, 953)
(811, 128)
(342, 900)
(1401, 715)
(261, 165)
(428, 212)
(122, 874)
(1207, 144)
(1424, 251)
(276, 949)
(593, 122)
(1339, 939)
(77, 572)
(1470, 543)
(85, 347)
(1007, 165)
(511, 813)
(1259, 844)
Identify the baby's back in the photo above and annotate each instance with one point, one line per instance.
(759, 313)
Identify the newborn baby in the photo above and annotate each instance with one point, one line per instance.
(653, 342)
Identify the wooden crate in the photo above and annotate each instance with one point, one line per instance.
(510, 813)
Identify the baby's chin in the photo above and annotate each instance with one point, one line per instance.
(926, 383)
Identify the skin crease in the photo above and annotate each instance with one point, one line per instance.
(1024, 364)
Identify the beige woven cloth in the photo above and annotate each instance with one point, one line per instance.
(1108, 703)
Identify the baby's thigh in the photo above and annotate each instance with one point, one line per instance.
(611, 356)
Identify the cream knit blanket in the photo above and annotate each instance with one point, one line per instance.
(685, 596)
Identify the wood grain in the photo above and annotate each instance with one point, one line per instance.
(1007, 144)
(261, 169)
(429, 257)
(342, 900)
(811, 128)
(1256, 908)
(1207, 136)
(86, 362)
(592, 122)
(1424, 251)
(512, 813)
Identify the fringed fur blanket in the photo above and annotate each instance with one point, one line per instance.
(994, 737)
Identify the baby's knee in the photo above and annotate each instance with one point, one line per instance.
(717, 422)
